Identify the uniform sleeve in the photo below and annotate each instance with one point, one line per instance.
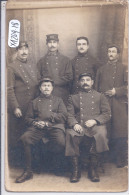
(105, 111)
(12, 100)
(68, 75)
(71, 113)
(97, 80)
(29, 117)
(42, 69)
(123, 90)
(61, 115)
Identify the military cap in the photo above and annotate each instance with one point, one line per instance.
(22, 44)
(46, 79)
(52, 37)
(88, 74)
(85, 38)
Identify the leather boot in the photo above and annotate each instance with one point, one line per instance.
(93, 165)
(26, 175)
(76, 174)
(93, 174)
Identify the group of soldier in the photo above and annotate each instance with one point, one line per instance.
(74, 106)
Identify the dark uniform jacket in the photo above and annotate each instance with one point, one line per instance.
(49, 109)
(115, 76)
(82, 63)
(88, 105)
(22, 88)
(22, 85)
(58, 67)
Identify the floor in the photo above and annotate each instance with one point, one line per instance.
(113, 180)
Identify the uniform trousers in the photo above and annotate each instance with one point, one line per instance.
(55, 137)
(55, 144)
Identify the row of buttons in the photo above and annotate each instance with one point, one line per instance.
(81, 106)
(50, 105)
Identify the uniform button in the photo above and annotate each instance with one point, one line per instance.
(50, 110)
(113, 77)
(92, 96)
(56, 68)
(77, 58)
(23, 71)
(56, 63)
(39, 100)
(20, 65)
(50, 105)
(28, 88)
(81, 97)
(47, 62)
(81, 108)
(29, 65)
(80, 102)
(81, 114)
(56, 57)
(92, 108)
(27, 81)
(31, 70)
(81, 121)
(92, 102)
(25, 76)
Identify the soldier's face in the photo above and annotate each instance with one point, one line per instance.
(86, 82)
(46, 88)
(52, 45)
(22, 53)
(112, 54)
(82, 46)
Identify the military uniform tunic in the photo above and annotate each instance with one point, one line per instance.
(82, 63)
(58, 67)
(85, 106)
(22, 88)
(109, 76)
(48, 109)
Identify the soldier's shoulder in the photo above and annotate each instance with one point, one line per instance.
(63, 56)
(42, 58)
(57, 98)
(74, 96)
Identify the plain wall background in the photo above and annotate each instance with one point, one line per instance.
(102, 25)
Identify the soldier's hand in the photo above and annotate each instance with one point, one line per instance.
(40, 124)
(78, 128)
(18, 112)
(90, 123)
(110, 93)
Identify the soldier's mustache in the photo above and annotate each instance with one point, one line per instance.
(85, 85)
(24, 54)
(52, 47)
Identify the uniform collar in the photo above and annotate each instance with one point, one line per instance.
(84, 91)
(55, 53)
(112, 62)
(83, 55)
(23, 61)
(46, 97)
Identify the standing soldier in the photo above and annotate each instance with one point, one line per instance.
(83, 62)
(88, 112)
(57, 66)
(111, 80)
(22, 86)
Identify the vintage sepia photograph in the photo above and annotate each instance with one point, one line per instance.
(66, 96)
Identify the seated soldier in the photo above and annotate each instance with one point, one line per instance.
(88, 111)
(45, 117)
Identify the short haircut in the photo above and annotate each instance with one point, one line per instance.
(85, 38)
(118, 49)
